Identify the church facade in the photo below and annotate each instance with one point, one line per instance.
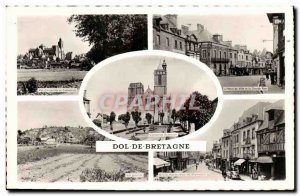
(151, 101)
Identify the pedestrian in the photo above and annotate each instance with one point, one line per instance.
(196, 165)
(224, 174)
(267, 75)
(272, 75)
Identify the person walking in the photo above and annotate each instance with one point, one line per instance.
(267, 75)
(224, 174)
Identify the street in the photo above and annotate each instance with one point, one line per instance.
(247, 81)
(202, 173)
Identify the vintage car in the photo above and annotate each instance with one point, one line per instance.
(233, 175)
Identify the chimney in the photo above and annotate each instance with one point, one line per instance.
(185, 29)
(200, 27)
(218, 37)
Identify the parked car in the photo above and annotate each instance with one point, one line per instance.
(233, 175)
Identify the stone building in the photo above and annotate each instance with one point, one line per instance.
(217, 154)
(166, 35)
(138, 100)
(244, 141)
(226, 149)
(177, 160)
(271, 142)
(277, 19)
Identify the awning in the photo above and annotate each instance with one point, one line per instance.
(158, 163)
(264, 159)
(239, 162)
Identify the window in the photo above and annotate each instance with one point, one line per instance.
(272, 138)
(235, 56)
(215, 53)
(176, 44)
(244, 135)
(180, 45)
(253, 133)
(230, 54)
(247, 57)
(271, 115)
(158, 39)
(190, 45)
(159, 80)
(248, 133)
(204, 54)
(167, 41)
(225, 55)
(220, 53)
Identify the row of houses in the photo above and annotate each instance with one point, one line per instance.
(221, 56)
(174, 161)
(255, 144)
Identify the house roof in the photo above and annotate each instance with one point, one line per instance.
(274, 106)
(257, 109)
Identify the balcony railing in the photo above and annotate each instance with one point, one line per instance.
(219, 60)
(270, 147)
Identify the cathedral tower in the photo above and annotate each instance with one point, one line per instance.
(160, 80)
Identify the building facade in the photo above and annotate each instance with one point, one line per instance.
(166, 35)
(271, 142)
(277, 19)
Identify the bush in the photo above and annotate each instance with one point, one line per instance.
(31, 85)
(99, 175)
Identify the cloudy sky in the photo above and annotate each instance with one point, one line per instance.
(36, 30)
(36, 114)
(231, 111)
(248, 29)
(183, 78)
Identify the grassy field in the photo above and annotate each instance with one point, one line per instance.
(78, 163)
(50, 75)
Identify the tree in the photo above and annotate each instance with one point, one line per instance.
(97, 122)
(174, 115)
(148, 117)
(111, 34)
(112, 118)
(125, 118)
(198, 110)
(90, 140)
(136, 116)
(161, 115)
(32, 85)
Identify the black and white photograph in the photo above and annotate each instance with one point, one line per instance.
(248, 144)
(56, 52)
(149, 97)
(246, 52)
(56, 145)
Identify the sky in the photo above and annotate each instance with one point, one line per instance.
(37, 114)
(36, 30)
(183, 78)
(248, 29)
(230, 113)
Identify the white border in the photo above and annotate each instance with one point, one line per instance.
(181, 8)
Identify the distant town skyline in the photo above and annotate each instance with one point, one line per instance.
(231, 111)
(36, 30)
(247, 29)
(36, 114)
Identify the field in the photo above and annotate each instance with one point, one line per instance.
(77, 163)
(50, 75)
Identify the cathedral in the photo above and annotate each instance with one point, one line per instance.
(136, 94)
